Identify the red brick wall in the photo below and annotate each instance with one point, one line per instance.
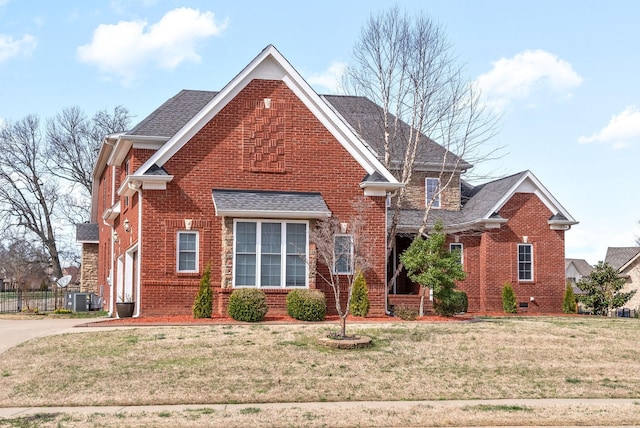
(308, 159)
(491, 260)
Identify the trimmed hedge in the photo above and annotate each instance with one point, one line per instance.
(307, 305)
(247, 304)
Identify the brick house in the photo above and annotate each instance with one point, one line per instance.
(237, 178)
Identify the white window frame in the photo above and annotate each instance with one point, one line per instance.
(457, 245)
(530, 263)
(435, 196)
(283, 253)
(197, 251)
(349, 270)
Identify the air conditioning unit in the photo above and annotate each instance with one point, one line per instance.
(78, 302)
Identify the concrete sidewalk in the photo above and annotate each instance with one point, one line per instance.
(13, 412)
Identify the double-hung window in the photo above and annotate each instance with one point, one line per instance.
(525, 262)
(457, 247)
(270, 253)
(432, 186)
(187, 251)
(343, 254)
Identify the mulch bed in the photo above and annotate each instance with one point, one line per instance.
(270, 319)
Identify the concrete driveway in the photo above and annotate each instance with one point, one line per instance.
(14, 332)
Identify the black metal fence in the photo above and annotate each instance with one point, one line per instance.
(18, 300)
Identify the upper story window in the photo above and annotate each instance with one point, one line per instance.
(187, 257)
(343, 253)
(457, 247)
(432, 190)
(525, 262)
(270, 253)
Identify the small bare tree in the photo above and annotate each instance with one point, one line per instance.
(343, 249)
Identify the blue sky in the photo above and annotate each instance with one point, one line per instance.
(564, 75)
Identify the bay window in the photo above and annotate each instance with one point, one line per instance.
(270, 253)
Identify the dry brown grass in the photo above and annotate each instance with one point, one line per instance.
(498, 358)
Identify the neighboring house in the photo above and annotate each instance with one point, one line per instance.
(575, 270)
(626, 260)
(237, 179)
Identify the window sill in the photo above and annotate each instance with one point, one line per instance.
(188, 274)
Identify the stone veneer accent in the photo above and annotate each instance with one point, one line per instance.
(89, 269)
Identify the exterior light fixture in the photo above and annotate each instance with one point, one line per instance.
(127, 225)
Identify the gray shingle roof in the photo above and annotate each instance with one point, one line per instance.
(619, 256)
(167, 119)
(477, 202)
(582, 266)
(87, 232)
(365, 117)
(269, 203)
(362, 114)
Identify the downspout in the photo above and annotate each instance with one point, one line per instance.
(139, 260)
(110, 277)
(386, 260)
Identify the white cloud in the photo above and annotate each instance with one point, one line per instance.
(528, 71)
(622, 130)
(10, 48)
(330, 79)
(123, 49)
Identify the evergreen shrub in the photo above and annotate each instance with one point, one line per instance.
(307, 305)
(247, 304)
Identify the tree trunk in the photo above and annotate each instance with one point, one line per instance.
(424, 290)
(343, 325)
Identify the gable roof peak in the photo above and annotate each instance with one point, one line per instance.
(271, 65)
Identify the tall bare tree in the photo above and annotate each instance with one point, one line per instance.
(73, 141)
(406, 65)
(28, 192)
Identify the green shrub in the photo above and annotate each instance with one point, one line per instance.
(452, 302)
(203, 306)
(569, 301)
(247, 304)
(360, 297)
(509, 299)
(461, 301)
(307, 305)
(407, 313)
(62, 311)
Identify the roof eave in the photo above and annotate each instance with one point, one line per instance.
(273, 214)
(133, 183)
(377, 188)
